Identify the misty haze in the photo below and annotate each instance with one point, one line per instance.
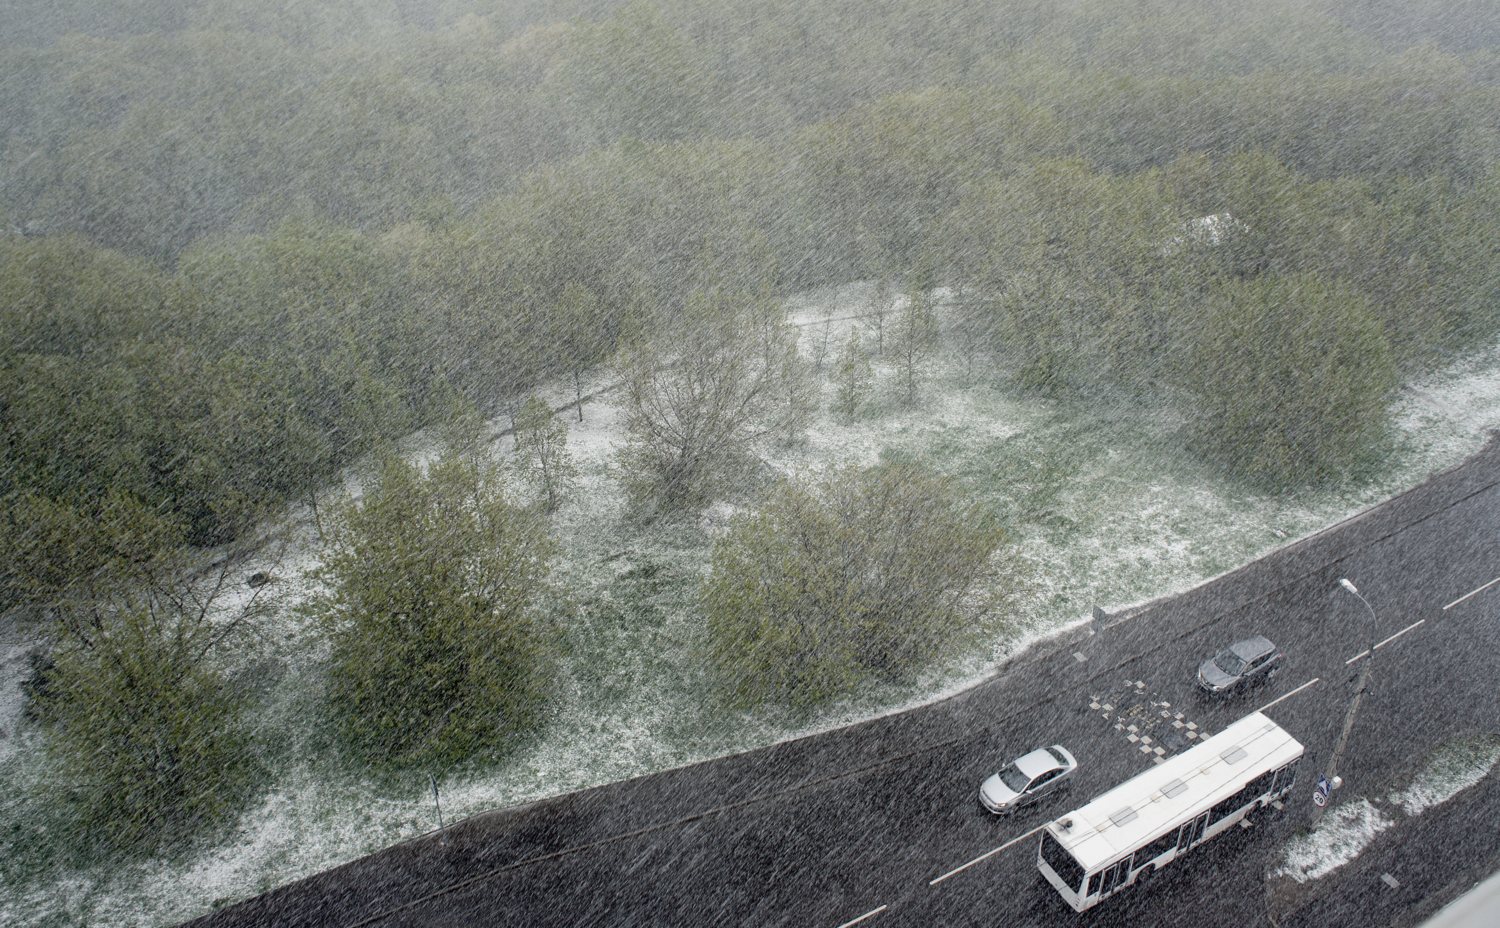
(411, 410)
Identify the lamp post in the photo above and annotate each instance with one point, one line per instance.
(1359, 692)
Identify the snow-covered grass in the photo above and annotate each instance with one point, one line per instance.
(1349, 827)
(1345, 831)
(1448, 772)
(1101, 499)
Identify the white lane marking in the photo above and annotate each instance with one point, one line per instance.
(1385, 642)
(1400, 633)
(1292, 693)
(865, 916)
(986, 856)
(1471, 593)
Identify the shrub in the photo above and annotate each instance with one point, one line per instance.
(865, 574)
(437, 650)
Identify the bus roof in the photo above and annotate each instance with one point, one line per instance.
(1172, 792)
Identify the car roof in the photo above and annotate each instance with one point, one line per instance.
(1036, 763)
(1252, 647)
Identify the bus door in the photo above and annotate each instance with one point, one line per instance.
(1192, 832)
(1285, 777)
(1111, 878)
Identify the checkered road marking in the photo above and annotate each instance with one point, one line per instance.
(1149, 724)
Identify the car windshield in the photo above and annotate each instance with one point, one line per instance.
(1014, 779)
(1058, 756)
(1229, 662)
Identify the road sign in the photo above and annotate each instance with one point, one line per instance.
(1321, 792)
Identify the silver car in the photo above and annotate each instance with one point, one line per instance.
(1027, 779)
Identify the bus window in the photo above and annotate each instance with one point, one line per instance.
(1262, 784)
(1285, 777)
(1155, 849)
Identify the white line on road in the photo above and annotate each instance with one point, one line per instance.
(1471, 593)
(1292, 693)
(864, 916)
(986, 856)
(1385, 642)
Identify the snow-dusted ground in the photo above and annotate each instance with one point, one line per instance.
(1105, 505)
(1354, 822)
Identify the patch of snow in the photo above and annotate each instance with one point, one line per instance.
(1446, 775)
(1345, 831)
(17, 644)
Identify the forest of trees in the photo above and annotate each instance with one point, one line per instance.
(243, 245)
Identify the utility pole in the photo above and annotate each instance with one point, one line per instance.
(1359, 692)
(441, 827)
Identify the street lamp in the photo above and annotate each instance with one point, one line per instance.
(1359, 691)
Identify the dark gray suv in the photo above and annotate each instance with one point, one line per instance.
(1239, 666)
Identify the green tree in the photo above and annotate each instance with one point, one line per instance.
(852, 377)
(460, 425)
(542, 453)
(1292, 376)
(588, 333)
(797, 395)
(145, 726)
(438, 651)
(913, 337)
(49, 548)
(634, 75)
(696, 404)
(864, 574)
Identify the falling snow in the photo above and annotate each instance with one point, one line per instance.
(1135, 522)
(1354, 822)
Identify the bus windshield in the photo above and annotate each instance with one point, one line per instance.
(1061, 861)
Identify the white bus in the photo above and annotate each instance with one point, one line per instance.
(1126, 834)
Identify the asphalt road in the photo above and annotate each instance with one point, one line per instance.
(864, 824)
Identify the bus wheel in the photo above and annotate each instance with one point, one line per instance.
(1147, 874)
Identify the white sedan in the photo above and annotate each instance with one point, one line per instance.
(1027, 779)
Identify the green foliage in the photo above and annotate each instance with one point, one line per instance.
(852, 377)
(865, 574)
(542, 453)
(1064, 271)
(797, 393)
(74, 377)
(914, 335)
(460, 424)
(145, 729)
(153, 143)
(235, 385)
(149, 744)
(634, 75)
(1292, 376)
(438, 654)
(49, 549)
